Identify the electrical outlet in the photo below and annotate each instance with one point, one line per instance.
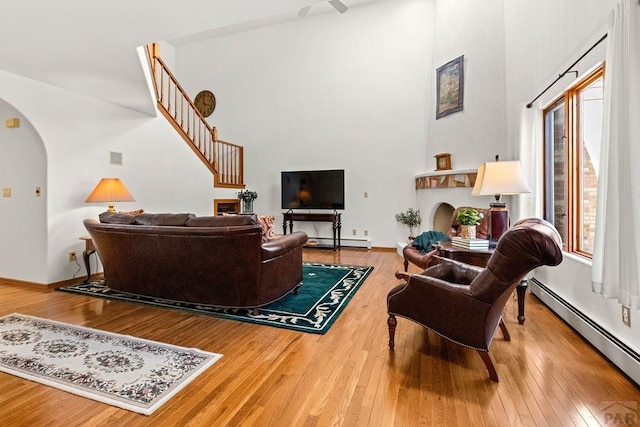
(72, 256)
(355, 232)
(626, 315)
(366, 233)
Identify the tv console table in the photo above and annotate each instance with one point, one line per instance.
(333, 218)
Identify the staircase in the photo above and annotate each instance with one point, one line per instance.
(224, 159)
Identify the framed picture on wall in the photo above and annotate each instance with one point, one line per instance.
(450, 87)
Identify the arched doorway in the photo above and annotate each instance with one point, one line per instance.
(442, 217)
(23, 205)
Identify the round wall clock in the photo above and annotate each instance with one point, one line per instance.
(205, 102)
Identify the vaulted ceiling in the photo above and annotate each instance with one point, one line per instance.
(90, 47)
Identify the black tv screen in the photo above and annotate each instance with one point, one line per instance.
(321, 189)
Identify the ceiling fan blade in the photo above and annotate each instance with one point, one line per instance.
(339, 6)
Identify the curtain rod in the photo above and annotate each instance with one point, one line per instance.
(529, 105)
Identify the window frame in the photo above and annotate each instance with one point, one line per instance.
(573, 167)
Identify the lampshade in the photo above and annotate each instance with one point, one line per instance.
(497, 178)
(110, 190)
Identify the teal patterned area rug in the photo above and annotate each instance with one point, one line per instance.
(326, 290)
(120, 370)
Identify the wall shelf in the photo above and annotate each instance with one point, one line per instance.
(453, 178)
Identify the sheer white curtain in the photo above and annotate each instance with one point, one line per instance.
(529, 151)
(616, 255)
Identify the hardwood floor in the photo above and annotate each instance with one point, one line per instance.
(349, 377)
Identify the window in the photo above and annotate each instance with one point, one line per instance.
(572, 133)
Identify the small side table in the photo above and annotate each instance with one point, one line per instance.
(480, 259)
(89, 249)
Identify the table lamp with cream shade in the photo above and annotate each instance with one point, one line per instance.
(497, 179)
(110, 190)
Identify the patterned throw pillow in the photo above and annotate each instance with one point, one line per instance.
(266, 222)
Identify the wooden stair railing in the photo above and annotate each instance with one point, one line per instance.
(224, 159)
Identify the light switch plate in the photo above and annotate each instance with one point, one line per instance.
(12, 123)
(6, 192)
(626, 315)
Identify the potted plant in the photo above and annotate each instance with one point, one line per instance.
(468, 219)
(247, 197)
(411, 218)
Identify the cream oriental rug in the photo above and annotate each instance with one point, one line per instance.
(128, 372)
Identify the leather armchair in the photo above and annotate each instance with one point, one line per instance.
(464, 303)
(415, 256)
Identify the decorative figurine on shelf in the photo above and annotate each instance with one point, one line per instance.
(411, 218)
(247, 197)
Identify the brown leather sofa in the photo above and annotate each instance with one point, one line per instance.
(216, 260)
(422, 259)
(464, 303)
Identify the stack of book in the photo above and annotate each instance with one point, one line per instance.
(471, 244)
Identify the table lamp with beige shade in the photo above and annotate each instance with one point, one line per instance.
(497, 179)
(110, 190)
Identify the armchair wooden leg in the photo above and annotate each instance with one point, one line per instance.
(392, 322)
(521, 291)
(402, 276)
(505, 331)
(493, 375)
(406, 265)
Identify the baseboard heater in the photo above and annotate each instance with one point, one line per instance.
(616, 351)
(347, 243)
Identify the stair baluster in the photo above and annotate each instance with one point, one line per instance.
(224, 159)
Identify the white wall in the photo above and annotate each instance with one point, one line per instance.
(331, 91)
(543, 39)
(477, 133)
(76, 133)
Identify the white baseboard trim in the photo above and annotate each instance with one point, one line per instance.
(618, 353)
(347, 243)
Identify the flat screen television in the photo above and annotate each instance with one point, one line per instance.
(319, 189)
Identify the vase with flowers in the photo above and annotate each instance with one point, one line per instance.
(247, 197)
